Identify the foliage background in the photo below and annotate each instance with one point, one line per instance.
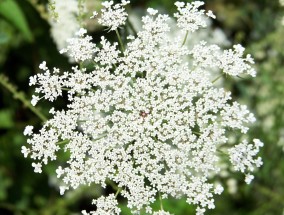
(25, 42)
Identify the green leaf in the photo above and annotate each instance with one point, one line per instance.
(4, 185)
(6, 120)
(11, 11)
(3, 38)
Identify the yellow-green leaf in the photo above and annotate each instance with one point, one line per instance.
(11, 11)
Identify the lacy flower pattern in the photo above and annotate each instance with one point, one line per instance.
(147, 117)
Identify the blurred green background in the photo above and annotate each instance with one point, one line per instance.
(25, 42)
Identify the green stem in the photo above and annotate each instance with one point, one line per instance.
(81, 66)
(184, 40)
(100, 137)
(216, 79)
(131, 27)
(161, 201)
(118, 191)
(222, 152)
(112, 184)
(116, 194)
(240, 77)
(20, 96)
(62, 142)
(119, 40)
(195, 132)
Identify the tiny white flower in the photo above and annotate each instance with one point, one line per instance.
(28, 130)
(161, 212)
(179, 4)
(62, 189)
(34, 100)
(218, 189)
(59, 171)
(152, 11)
(43, 66)
(249, 178)
(25, 151)
(210, 14)
(33, 80)
(81, 32)
(95, 14)
(37, 167)
(52, 111)
(258, 143)
(200, 211)
(84, 212)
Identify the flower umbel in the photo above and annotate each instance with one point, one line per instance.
(149, 113)
(190, 17)
(113, 15)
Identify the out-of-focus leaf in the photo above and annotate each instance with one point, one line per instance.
(3, 38)
(6, 120)
(10, 10)
(5, 182)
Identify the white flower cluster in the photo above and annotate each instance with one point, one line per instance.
(190, 17)
(144, 117)
(230, 61)
(113, 15)
(105, 206)
(50, 84)
(242, 157)
(80, 48)
(66, 24)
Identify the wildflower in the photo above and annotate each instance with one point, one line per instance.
(242, 156)
(218, 189)
(80, 48)
(28, 130)
(145, 114)
(34, 100)
(190, 17)
(249, 178)
(37, 167)
(25, 151)
(113, 15)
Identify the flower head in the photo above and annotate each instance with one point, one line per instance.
(190, 17)
(28, 130)
(144, 117)
(80, 48)
(113, 15)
